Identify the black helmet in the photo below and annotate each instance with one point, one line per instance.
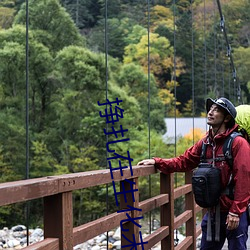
(223, 103)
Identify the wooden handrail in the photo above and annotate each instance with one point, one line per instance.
(56, 191)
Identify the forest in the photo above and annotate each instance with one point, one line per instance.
(59, 59)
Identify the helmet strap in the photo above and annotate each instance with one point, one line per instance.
(219, 127)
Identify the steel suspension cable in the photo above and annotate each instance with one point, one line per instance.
(149, 121)
(106, 93)
(192, 76)
(229, 54)
(215, 52)
(27, 207)
(205, 50)
(77, 13)
(229, 83)
(221, 68)
(175, 95)
(174, 73)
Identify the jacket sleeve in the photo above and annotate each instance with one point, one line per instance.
(183, 163)
(241, 175)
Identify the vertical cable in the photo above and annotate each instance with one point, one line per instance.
(205, 51)
(192, 28)
(106, 82)
(215, 51)
(175, 95)
(27, 112)
(174, 76)
(237, 87)
(106, 51)
(149, 122)
(229, 84)
(222, 69)
(77, 13)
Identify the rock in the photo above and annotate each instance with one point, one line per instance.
(117, 245)
(3, 233)
(91, 242)
(13, 240)
(18, 228)
(23, 240)
(111, 240)
(96, 248)
(81, 246)
(111, 233)
(13, 243)
(18, 247)
(38, 232)
(103, 243)
(100, 238)
(18, 234)
(117, 235)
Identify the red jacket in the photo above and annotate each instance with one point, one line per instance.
(241, 167)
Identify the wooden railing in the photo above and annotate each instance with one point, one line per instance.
(56, 192)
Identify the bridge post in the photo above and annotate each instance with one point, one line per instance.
(190, 205)
(58, 219)
(167, 210)
(132, 229)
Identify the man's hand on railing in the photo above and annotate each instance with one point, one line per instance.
(146, 162)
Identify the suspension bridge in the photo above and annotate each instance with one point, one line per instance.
(59, 233)
(56, 192)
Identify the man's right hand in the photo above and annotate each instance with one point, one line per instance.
(146, 162)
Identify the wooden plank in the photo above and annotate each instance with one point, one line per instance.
(91, 229)
(155, 237)
(129, 230)
(58, 219)
(99, 177)
(185, 189)
(198, 231)
(24, 190)
(154, 202)
(182, 218)
(167, 210)
(190, 205)
(46, 244)
(185, 244)
(198, 209)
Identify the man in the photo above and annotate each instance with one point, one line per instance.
(221, 115)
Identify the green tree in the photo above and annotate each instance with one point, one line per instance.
(53, 25)
(136, 83)
(12, 114)
(161, 57)
(117, 31)
(241, 56)
(84, 13)
(161, 16)
(42, 162)
(6, 17)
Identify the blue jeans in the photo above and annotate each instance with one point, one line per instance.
(237, 238)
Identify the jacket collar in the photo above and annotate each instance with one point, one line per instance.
(221, 136)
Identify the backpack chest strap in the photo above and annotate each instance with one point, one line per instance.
(217, 159)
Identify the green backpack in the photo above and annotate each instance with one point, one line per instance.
(243, 120)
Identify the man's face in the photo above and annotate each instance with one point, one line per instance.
(215, 116)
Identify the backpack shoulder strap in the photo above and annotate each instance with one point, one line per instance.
(227, 148)
(203, 152)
